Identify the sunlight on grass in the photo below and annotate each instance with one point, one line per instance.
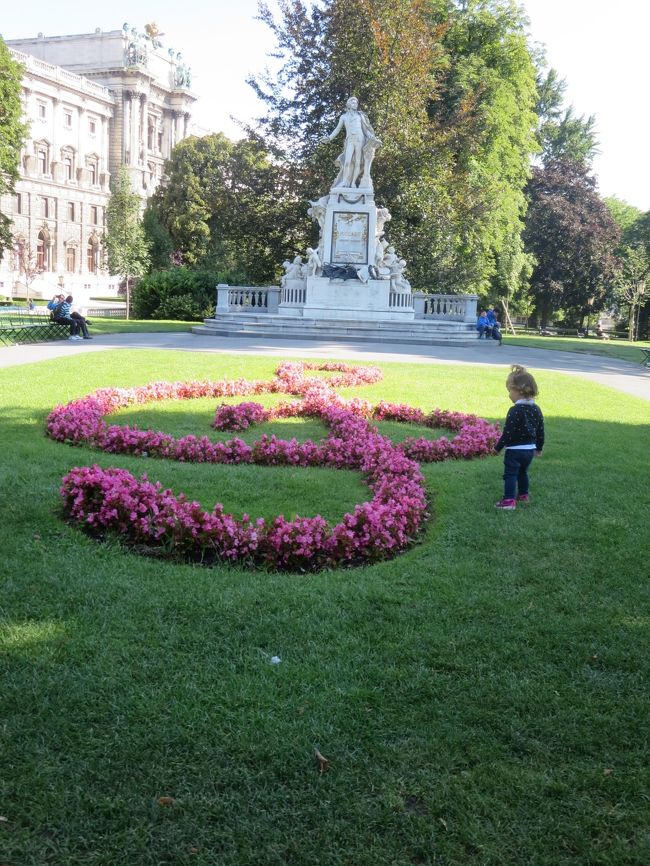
(26, 634)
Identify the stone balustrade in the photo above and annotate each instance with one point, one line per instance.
(252, 299)
(452, 308)
(294, 295)
(400, 300)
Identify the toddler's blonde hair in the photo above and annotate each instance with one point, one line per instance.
(521, 380)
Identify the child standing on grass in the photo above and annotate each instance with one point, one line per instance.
(522, 437)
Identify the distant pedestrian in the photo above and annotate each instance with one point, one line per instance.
(522, 437)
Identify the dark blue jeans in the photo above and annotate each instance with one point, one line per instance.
(67, 320)
(515, 471)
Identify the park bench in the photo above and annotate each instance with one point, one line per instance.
(29, 328)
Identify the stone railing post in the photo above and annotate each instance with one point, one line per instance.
(273, 299)
(223, 305)
(470, 308)
(418, 304)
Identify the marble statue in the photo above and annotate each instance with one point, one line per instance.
(314, 263)
(398, 282)
(383, 215)
(359, 149)
(380, 252)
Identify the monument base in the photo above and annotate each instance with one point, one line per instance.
(351, 300)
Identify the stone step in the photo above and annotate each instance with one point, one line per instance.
(414, 333)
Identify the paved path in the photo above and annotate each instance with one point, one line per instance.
(622, 375)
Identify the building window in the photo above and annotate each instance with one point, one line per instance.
(20, 254)
(71, 211)
(92, 126)
(18, 203)
(67, 119)
(160, 142)
(43, 206)
(94, 214)
(92, 257)
(42, 111)
(67, 167)
(42, 160)
(40, 252)
(70, 259)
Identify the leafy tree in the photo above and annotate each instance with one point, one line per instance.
(573, 238)
(125, 241)
(12, 134)
(562, 135)
(633, 285)
(450, 91)
(625, 215)
(158, 239)
(225, 205)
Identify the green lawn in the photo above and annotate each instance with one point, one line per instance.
(481, 699)
(137, 326)
(616, 348)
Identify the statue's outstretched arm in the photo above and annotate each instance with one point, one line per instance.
(333, 135)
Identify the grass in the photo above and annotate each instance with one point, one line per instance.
(622, 349)
(137, 326)
(481, 699)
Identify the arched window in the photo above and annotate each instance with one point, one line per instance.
(93, 255)
(19, 248)
(41, 251)
(70, 258)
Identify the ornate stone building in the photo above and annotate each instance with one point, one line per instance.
(94, 101)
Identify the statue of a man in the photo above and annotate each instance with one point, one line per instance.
(359, 149)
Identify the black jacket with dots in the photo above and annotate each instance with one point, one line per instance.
(524, 426)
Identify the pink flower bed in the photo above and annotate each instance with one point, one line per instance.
(146, 514)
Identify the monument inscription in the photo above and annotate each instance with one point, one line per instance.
(349, 238)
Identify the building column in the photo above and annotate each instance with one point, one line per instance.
(174, 137)
(126, 127)
(56, 121)
(80, 139)
(143, 128)
(135, 150)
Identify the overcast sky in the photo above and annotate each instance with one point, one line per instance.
(599, 47)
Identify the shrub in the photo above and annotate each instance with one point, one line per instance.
(176, 293)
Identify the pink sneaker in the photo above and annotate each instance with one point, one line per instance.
(506, 504)
(525, 498)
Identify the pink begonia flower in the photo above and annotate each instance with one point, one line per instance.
(146, 514)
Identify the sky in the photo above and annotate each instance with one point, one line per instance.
(598, 47)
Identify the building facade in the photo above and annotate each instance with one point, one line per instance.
(93, 102)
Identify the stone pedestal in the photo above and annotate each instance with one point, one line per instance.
(324, 298)
(350, 227)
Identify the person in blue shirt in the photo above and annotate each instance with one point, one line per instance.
(493, 322)
(483, 325)
(61, 309)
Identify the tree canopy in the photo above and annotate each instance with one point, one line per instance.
(573, 237)
(12, 133)
(124, 240)
(449, 89)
